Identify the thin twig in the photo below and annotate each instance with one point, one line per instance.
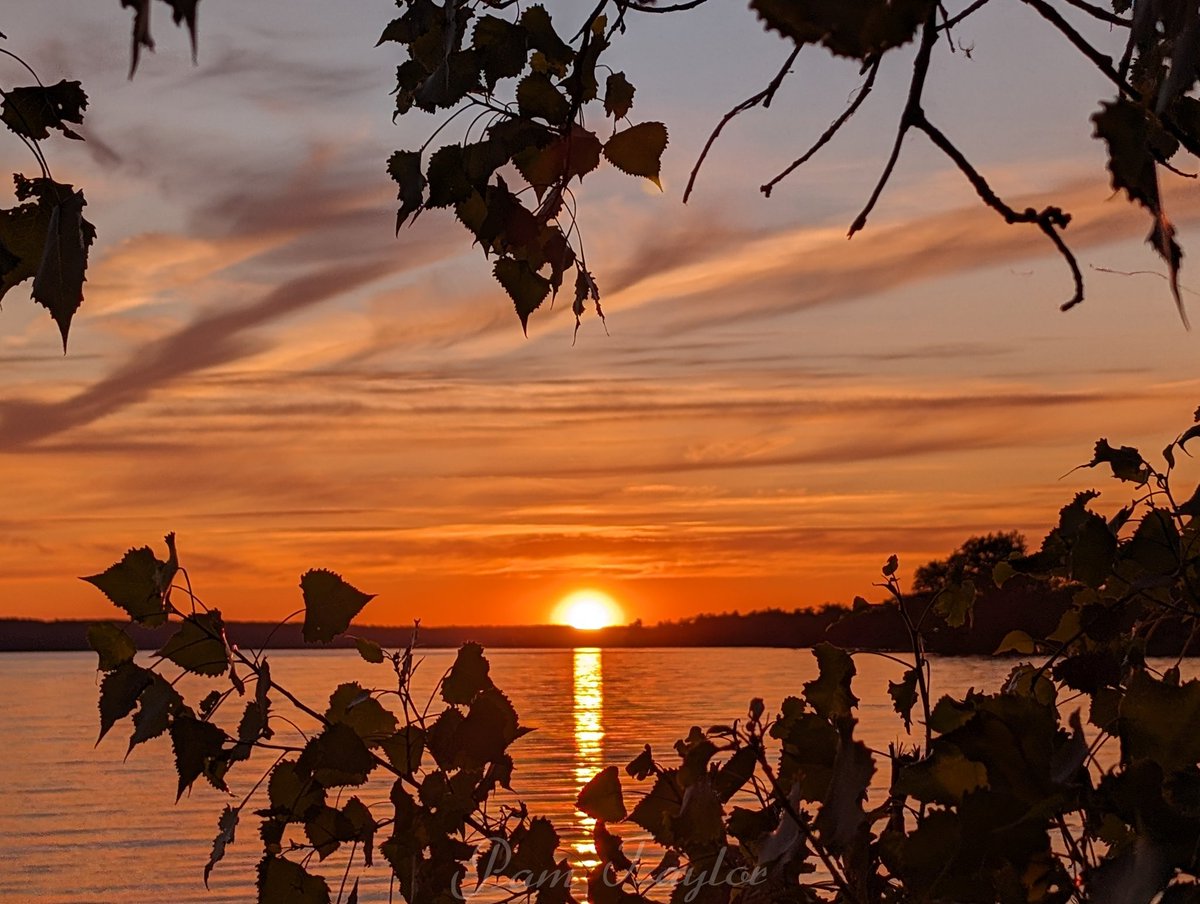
(763, 97)
(830, 132)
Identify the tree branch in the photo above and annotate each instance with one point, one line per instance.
(763, 97)
(828, 134)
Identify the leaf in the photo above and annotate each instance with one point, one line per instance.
(197, 746)
(638, 150)
(368, 649)
(292, 795)
(601, 797)
(1160, 722)
(1093, 552)
(641, 765)
(157, 704)
(405, 169)
(351, 705)
(942, 778)
(862, 30)
(956, 603)
(490, 726)
(226, 826)
(1126, 462)
(1016, 642)
(198, 646)
(655, 811)
(326, 829)
(281, 881)
(113, 644)
(842, 813)
(405, 748)
(501, 47)
(119, 692)
(618, 95)
(537, 98)
(468, 676)
(329, 605)
(890, 566)
(524, 286)
(132, 585)
(32, 112)
(573, 155)
(1002, 573)
(829, 694)
(58, 283)
(335, 757)
(904, 696)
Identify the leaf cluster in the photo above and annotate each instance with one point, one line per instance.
(530, 87)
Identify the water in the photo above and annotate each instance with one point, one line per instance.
(77, 824)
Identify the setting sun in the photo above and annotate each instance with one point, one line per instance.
(588, 610)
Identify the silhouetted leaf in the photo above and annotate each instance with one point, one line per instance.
(638, 150)
(132, 584)
(943, 778)
(226, 826)
(293, 795)
(113, 645)
(468, 676)
(655, 811)
(904, 696)
(1093, 552)
(524, 286)
(1016, 641)
(1126, 462)
(330, 604)
(405, 169)
(281, 881)
(956, 603)
(618, 95)
(326, 829)
(735, 772)
(861, 30)
(197, 746)
(157, 704)
(641, 765)
(601, 797)
(490, 726)
(335, 757)
(537, 98)
(119, 692)
(1160, 722)
(351, 705)
(829, 694)
(890, 566)
(842, 813)
(501, 48)
(405, 748)
(198, 646)
(369, 650)
(574, 155)
(555, 53)
(32, 112)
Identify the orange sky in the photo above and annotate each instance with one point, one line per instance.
(261, 367)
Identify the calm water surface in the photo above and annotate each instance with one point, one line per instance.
(77, 824)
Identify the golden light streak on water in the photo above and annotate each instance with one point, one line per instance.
(589, 736)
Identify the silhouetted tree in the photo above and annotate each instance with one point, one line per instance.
(975, 559)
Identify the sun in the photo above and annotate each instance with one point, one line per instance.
(587, 610)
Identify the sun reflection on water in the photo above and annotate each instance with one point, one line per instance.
(589, 737)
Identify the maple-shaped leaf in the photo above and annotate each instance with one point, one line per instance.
(119, 692)
(281, 881)
(132, 584)
(226, 826)
(618, 95)
(330, 604)
(601, 797)
(114, 645)
(33, 112)
(198, 646)
(638, 150)
(197, 746)
(524, 286)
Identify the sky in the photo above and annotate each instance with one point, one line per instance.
(768, 413)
